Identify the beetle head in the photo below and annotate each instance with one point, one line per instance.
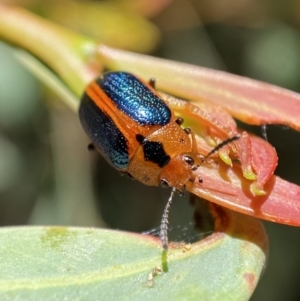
(178, 173)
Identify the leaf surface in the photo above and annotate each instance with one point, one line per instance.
(60, 263)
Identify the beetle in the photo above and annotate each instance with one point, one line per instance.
(138, 134)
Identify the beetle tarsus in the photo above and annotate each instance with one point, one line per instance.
(152, 82)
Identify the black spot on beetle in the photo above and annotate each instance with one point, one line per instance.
(154, 152)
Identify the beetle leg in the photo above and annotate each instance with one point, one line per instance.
(192, 158)
(210, 119)
(194, 143)
(152, 82)
(91, 147)
(179, 121)
(212, 125)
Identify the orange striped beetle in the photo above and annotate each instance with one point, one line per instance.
(137, 133)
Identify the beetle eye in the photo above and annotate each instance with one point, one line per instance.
(189, 160)
(164, 184)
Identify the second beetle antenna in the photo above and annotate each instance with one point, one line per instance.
(164, 222)
(218, 147)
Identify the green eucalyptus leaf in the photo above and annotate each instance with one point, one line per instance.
(66, 263)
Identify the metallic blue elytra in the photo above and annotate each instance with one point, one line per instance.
(104, 134)
(134, 99)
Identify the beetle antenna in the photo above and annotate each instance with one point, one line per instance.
(218, 147)
(164, 222)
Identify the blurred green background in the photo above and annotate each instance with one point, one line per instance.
(47, 176)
